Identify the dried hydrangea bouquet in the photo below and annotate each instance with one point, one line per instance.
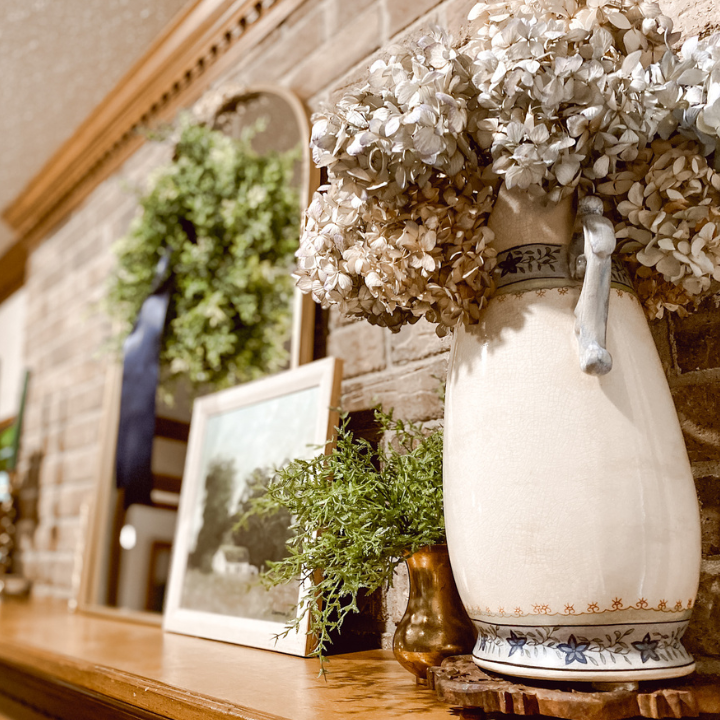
(555, 97)
(549, 177)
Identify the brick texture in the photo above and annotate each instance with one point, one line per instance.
(316, 52)
(454, 16)
(709, 495)
(697, 407)
(402, 13)
(297, 42)
(342, 11)
(703, 634)
(415, 342)
(693, 17)
(697, 339)
(66, 333)
(361, 346)
(413, 391)
(353, 42)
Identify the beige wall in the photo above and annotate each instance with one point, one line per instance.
(321, 47)
(12, 360)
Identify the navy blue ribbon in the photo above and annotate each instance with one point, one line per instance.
(141, 352)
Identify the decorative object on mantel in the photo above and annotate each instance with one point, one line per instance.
(136, 424)
(374, 507)
(239, 437)
(485, 186)
(7, 506)
(7, 520)
(460, 682)
(435, 624)
(230, 109)
(229, 217)
(580, 551)
(551, 96)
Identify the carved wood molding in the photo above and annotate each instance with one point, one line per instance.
(202, 43)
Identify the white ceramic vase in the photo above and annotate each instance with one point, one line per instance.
(572, 519)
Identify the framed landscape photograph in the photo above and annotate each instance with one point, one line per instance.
(238, 438)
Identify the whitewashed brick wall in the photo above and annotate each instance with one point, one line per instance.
(319, 49)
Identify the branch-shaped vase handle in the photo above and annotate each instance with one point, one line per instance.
(591, 311)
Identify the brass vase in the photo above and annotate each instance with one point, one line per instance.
(435, 624)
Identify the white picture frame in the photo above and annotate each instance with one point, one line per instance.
(234, 433)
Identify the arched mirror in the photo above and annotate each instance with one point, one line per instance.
(126, 559)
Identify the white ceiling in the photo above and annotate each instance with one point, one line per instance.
(58, 60)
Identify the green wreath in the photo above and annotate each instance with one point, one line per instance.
(231, 219)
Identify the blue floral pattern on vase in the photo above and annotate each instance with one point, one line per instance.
(537, 260)
(584, 647)
(516, 642)
(647, 648)
(540, 261)
(574, 651)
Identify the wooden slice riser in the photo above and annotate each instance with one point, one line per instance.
(461, 683)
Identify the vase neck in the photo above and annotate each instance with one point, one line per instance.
(428, 556)
(519, 219)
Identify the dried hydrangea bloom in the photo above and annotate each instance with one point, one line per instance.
(404, 124)
(665, 207)
(391, 264)
(561, 87)
(658, 295)
(671, 216)
(694, 75)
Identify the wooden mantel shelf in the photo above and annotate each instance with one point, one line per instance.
(58, 664)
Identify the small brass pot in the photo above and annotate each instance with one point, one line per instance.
(435, 624)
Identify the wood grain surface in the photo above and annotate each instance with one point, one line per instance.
(54, 663)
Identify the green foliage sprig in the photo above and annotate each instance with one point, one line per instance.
(231, 219)
(357, 512)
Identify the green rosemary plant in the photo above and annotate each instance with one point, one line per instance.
(357, 511)
(231, 219)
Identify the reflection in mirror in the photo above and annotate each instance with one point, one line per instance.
(134, 570)
(127, 554)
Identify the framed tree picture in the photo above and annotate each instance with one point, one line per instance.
(238, 438)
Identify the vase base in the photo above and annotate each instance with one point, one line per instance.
(593, 676)
(618, 652)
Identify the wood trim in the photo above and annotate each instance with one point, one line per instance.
(99, 526)
(12, 270)
(186, 678)
(302, 347)
(302, 350)
(55, 682)
(156, 548)
(195, 50)
(28, 695)
(167, 483)
(172, 429)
